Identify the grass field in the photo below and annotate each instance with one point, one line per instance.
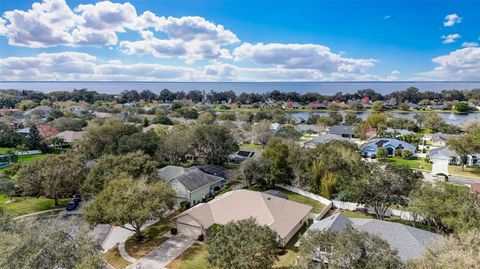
(153, 238)
(24, 205)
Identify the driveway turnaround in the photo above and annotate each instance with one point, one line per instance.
(165, 253)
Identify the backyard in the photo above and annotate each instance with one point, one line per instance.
(317, 206)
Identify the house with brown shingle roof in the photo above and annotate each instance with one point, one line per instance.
(283, 216)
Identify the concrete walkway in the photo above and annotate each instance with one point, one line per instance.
(123, 252)
(165, 253)
(119, 235)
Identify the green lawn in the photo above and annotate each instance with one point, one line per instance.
(113, 258)
(153, 238)
(250, 146)
(4, 150)
(454, 170)
(192, 258)
(24, 205)
(317, 206)
(414, 163)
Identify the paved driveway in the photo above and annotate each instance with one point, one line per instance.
(165, 253)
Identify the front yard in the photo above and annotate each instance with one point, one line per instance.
(18, 206)
(153, 238)
(421, 164)
(113, 258)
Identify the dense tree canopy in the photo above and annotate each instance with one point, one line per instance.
(384, 186)
(446, 207)
(242, 245)
(105, 139)
(130, 203)
(55, 176)
(213, 142)
(46, 244)
(111, 167)
(453, 252)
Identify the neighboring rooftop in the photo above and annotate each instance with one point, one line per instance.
(410, 242)
(192, 178)
(342, 129)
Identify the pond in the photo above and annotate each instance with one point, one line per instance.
(449, 117)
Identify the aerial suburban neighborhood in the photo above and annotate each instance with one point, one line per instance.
(219, 134)
(185, 179)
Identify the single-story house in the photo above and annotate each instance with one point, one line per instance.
(291, 105)
(191, 184)
(322, 139)
(275, 127)
(24, 131)
(282, 216)
(343, 131)
(42, 111)
(390, 144)
(303, 128)
(77, 110)
(440, 139)
(408, 241)
(399, 132)
(453, 157)
(70, 136)
(316, 105)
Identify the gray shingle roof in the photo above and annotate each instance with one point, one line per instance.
(334, 223)
(444, 151)
(342, 129)
(192, 179)
(410, 242)
(325, 138)
(195, 179)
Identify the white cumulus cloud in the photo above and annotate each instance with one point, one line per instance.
(301, 56)
(447, 39)
(461, 64)
(451, 20)
(469, 44)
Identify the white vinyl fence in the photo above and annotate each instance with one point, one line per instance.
(404, 215)
(328, 204)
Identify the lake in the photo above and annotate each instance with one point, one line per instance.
(452, 118)
(327, 88)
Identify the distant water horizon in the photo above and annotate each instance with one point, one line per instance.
(327, 88)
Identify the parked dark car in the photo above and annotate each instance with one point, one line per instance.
(71, 206)
(77, 198)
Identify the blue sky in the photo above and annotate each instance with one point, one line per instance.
(240, 40)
